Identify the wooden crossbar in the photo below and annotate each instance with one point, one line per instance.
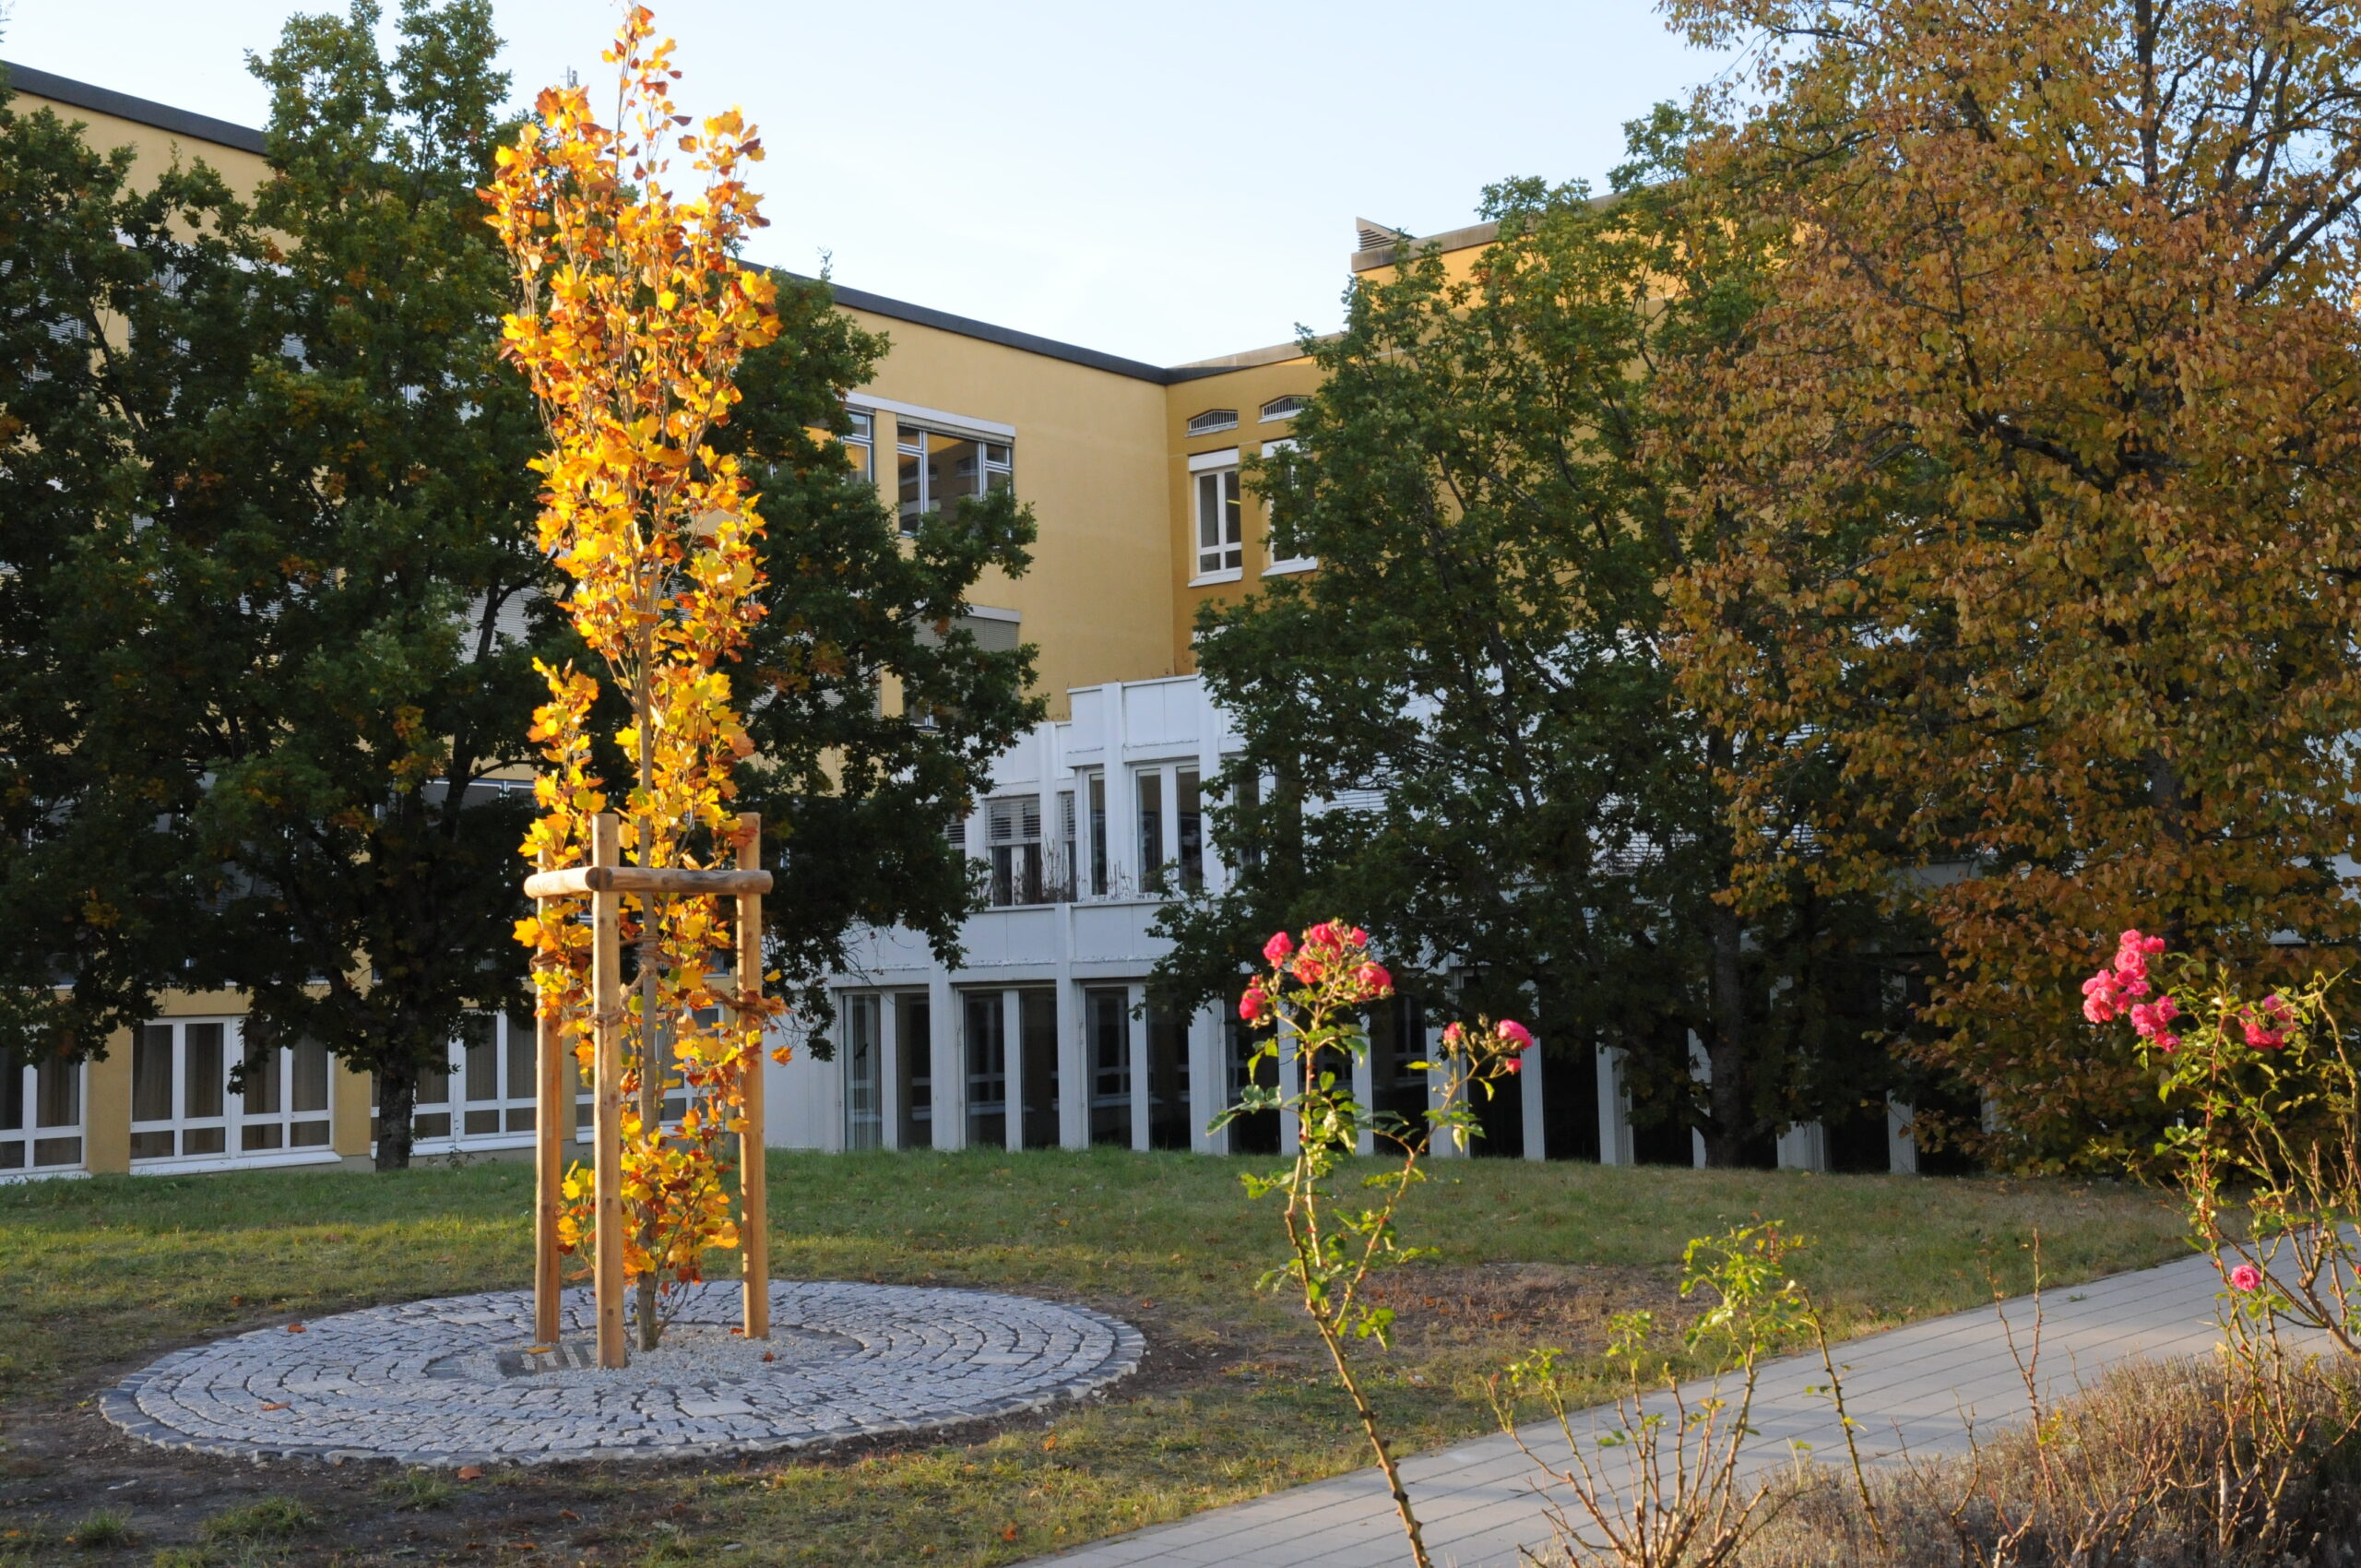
(575, 881)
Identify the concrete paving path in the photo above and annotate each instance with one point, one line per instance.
(1917, 1390)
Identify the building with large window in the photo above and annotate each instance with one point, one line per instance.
(1042, 1037)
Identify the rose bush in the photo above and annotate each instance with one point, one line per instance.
(2264, 1144)
(1311, 998)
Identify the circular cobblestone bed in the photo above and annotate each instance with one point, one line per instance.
(458, 1381)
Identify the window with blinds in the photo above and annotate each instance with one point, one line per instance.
(1014, 840)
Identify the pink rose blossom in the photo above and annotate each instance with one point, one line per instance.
(1357, 937)
(1307, 968)
(1322, 935)
(2149, 1019)
(1373, 978)
(1452, 1035)
(1276, 951)
(2102, 997)
(2247, 1277)
(1255, 1005)
(2262, 1039)
(1511, 1033)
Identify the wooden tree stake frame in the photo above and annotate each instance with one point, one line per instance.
(753, 1178)
(605, 880)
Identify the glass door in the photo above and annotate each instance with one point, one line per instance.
(864, 1108)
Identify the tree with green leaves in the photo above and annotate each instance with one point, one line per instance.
(340, 591)
(112, 305)
(1464, 728)
(272, 595)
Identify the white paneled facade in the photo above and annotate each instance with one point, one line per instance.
(1042, 1037)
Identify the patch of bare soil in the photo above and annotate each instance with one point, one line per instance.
(1508, 1307)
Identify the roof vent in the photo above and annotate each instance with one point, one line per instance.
(1375, 236)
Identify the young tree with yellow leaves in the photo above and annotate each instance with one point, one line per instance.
(632, 321)
(2038, 481)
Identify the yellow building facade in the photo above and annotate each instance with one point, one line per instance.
(1134, 472)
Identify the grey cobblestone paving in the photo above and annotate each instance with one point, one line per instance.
(424, 1382)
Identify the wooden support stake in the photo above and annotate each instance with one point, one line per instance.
(607, 1000)
(551, 1120)
(753, 1189)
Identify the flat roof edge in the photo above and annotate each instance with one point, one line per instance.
(1245, 359)
(204, 127)
(1008, 336)
(140, 111)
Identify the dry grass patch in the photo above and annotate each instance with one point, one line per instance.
(2143, 1469)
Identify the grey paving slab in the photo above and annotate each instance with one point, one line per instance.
(1920, 1389)
(458, 1381)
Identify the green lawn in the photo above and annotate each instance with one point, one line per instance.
(100, 1274)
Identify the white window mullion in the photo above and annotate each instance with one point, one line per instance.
(42, 1115)
(1274, 564)
(1215, 505)
(183, 1111)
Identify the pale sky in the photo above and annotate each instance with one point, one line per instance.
(1167, 183)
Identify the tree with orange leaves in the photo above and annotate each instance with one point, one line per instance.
(632, 323)
(2037, 489)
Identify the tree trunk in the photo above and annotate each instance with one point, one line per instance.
(1727, 1039)
(1725, 1045)
(653, 1040)
(396, 1100)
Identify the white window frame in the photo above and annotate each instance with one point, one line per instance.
(1224, 559)
(1096, 873)
(1101, 1096)
(512, 1105)
(1211, 421)
(234, 1123)
(1275, 565)
(1167, 774)
(21, 1146)
(910, 440)
(864, 1118)
(860, 443)
(1006, 819)
(1267, 417)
